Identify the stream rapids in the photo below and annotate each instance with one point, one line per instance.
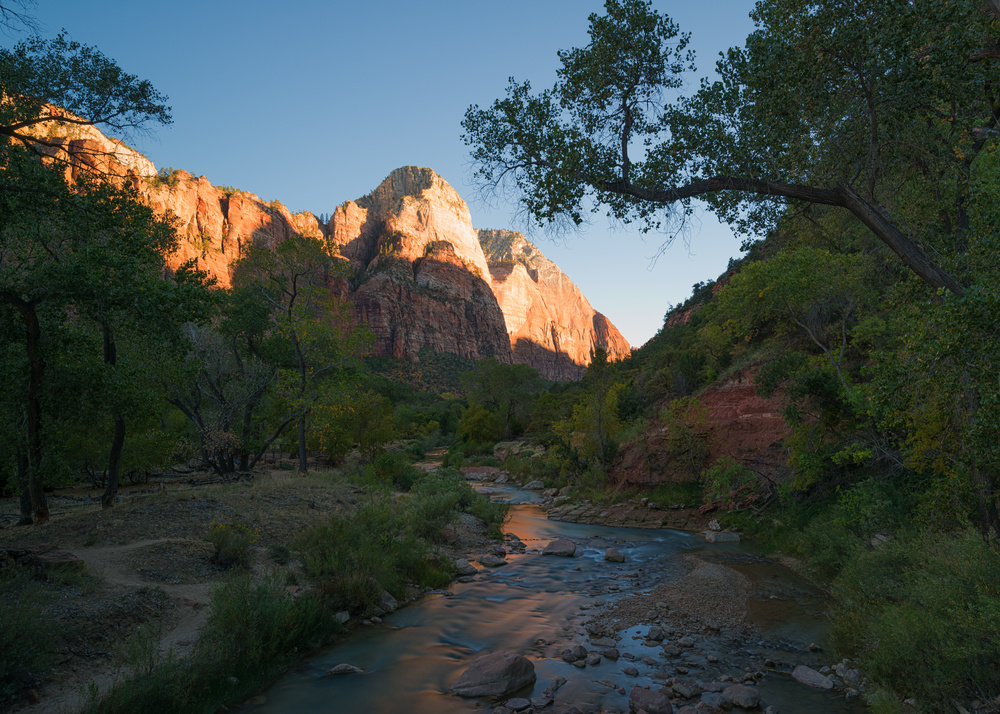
(539, 606)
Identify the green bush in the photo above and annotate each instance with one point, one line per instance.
(921, 616)
(27, 633)
(728, 481)
(254, 629)
(395, 467)
(232, 540)
(356, 557)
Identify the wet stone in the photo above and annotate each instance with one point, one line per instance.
(649, 700)
(344, 669)
(810, 677)
(491, 561)
(740, 695)
(687, 688)
(518, 704)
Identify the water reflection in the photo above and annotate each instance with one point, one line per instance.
(535, 605)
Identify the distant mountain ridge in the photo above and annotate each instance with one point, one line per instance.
(423, 277)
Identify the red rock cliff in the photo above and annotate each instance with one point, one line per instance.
(421, 276)
(552, 326)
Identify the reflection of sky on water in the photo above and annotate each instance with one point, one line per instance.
(416, 654)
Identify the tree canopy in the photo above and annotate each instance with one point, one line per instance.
(875, 106)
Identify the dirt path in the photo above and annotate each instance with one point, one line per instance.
(132, 567)
(147, 561)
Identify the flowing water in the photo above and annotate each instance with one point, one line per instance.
(536, 605)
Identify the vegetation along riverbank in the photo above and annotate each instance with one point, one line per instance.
(230, 433)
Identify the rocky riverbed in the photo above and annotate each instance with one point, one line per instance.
(674, 624)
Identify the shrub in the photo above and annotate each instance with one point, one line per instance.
(232, 540)
(254, 630)
(921, 616)
(27, 634)
(396, 468)
(728, 481)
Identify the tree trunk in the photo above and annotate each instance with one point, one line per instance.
(303, 466)
(114, 463)
(36, 372)
(22, 488)
(118, 442)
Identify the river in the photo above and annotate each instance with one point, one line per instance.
(537, 605)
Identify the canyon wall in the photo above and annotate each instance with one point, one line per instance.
(420, 275)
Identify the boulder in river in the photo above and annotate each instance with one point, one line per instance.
(812, 678)
(491, 561)
(652, 701)
(721, 537)
(740, 695)
(560, 546)
(613, 555)
(344, 669)
(495, 675)
(464, 567)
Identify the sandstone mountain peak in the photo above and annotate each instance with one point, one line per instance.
(422, 276)
(552, 326)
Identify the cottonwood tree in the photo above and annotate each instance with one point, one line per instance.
(875, 106)
(312, 331)
(505, 391)
(51, 232)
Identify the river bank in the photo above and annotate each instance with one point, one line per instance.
(86, 587)
(676, 614)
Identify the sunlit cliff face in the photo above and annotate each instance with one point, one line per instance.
(423, 277)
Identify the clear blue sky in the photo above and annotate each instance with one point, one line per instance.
(314, 103)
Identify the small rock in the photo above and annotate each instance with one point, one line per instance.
(649, 700)
(611, 653)
(721, 537)
(534, 485)
(631, 671)
(741, 696)
(344, 669)
(593, 659)
(560, 546)
(686, 642)
(613, 555)
(491, 561)
(811, 677)
(464, 567)
(555, 684)
(518, 703)
(686, 688)
(342, 617)
(387, 602)
(655, 633)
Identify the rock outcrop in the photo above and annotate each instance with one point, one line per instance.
(214, 223)
(429, 279)
(420, 276)
(552, 326)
